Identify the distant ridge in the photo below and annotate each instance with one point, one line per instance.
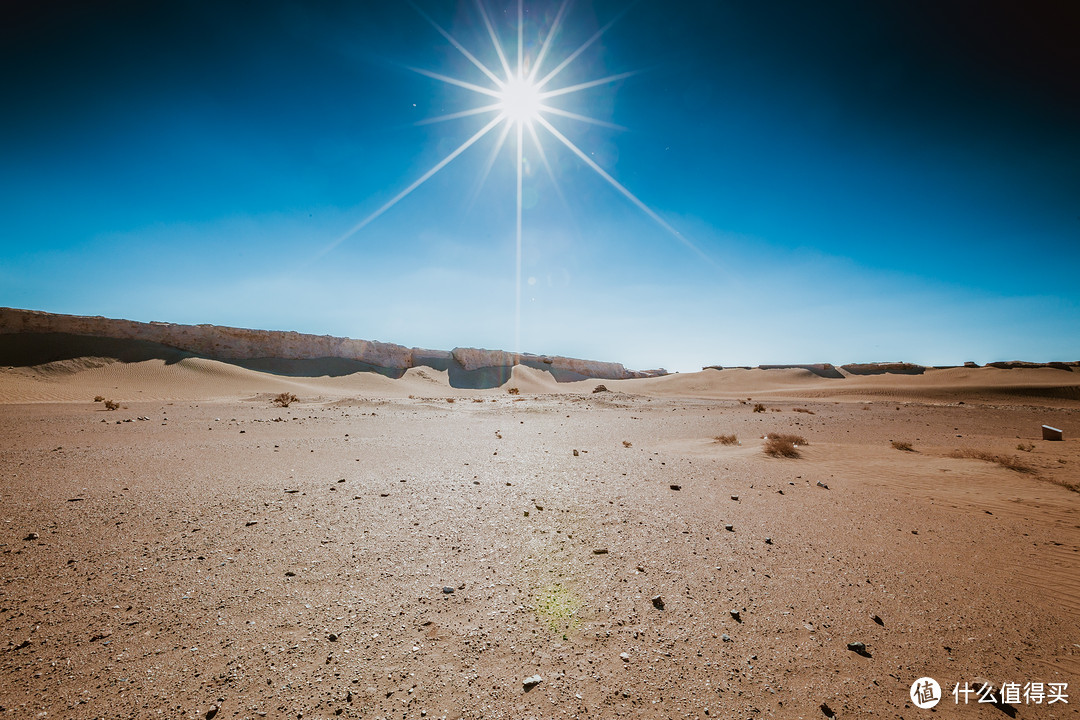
(30, 337)
(828, 370)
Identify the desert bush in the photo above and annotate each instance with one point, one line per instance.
(784, 445)
(285, 399)
(726, 439)
(779, 447)
(627, 443)
(99, 398)
(111, 405)
(513, 390)
(759, 408)
(803, 410)
(903, 445)
(1006, 461)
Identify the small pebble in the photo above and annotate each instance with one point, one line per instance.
(448, 590)
(658, 602)
(532, 681)
(676, 487)
(729, 528)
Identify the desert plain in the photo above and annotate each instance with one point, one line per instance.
(401, 548)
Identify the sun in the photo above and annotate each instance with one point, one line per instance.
(517, 95)
(520, 100)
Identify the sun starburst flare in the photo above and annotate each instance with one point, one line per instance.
(518, 100)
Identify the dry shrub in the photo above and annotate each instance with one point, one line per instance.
(284, 399)
(777, 409)
(513, 390)
(903, 445)
(726, 439)
(99, 398)
(1006, 461)
(803, 410)
(627, 443)
(112, 405)
(759, 408)
(778, 447)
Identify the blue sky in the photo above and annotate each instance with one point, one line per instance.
(849, 181)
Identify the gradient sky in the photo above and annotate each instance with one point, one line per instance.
(862, 181)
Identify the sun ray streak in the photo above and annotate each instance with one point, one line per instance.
(573, 56)
(462, 114)
(618, 186)
(547, 40)
(581, 118)
(461, 48)
(415, 184)
(521, 36)
(490, 163)
(585, 85)
(495, 39)
(517, 299)
(454, 81)
(547, 165)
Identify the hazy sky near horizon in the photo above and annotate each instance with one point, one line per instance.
(850, 181)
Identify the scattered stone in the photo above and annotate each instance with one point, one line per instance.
(822, 485)
(447, 590)
(729, 528)
(725, 637)
(658, 602)
(735, 498)
(735, 615)
(332, 637)
(768, 541)
(532, 681)
(1051, 433)
(290, 491)
(600, 551)
(31, 536)
(858, 648)
(249, 523)
(211, 712)
(290, 573)
(676, 487)
(600, 388)
(576, 453)
(625, 657)
(827, 711)
(879, 621)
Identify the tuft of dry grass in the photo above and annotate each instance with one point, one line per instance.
(784, 445)
(99, 398)
(284, 399)
(726, 439)
(903, 445)
(512, 390)
(803, 410)
(627, 443)
(1006, 461)
(778, 447)
(112, 405)
(759, 408)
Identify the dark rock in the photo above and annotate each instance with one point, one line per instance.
(447, 590)
(858, 648)
(658, 602)
(600, 389)
(676, 487)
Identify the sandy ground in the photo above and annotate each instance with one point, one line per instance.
(227, 558)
